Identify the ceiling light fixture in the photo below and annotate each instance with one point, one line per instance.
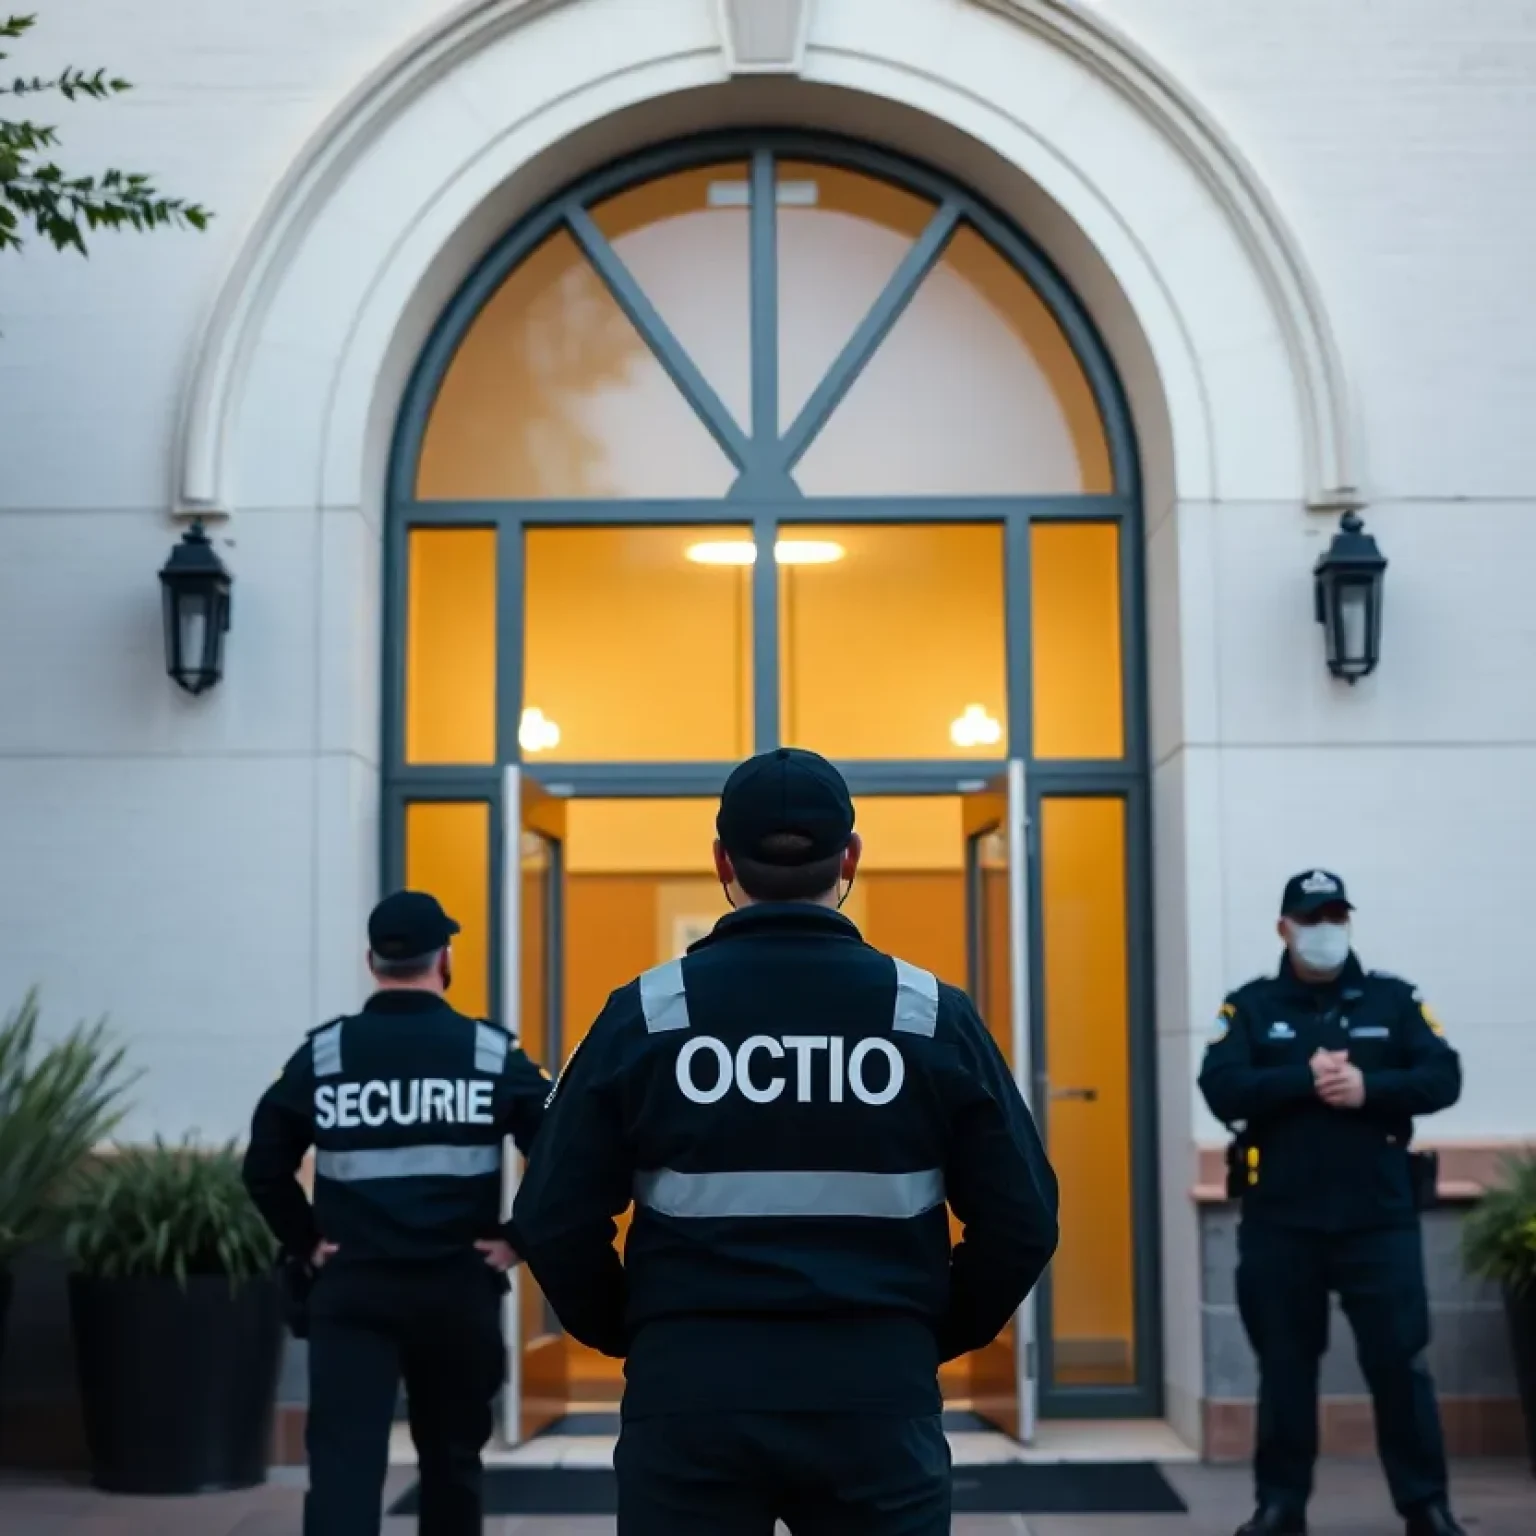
(785, 552)
(536, 733)
(975, 728)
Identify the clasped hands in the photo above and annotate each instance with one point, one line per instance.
(1338, 1082)
(499, 1255)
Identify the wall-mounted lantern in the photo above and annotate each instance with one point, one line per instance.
(1347, 584)
(194, 591)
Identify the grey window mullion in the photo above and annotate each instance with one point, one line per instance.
(511, 665)
(765, 303)
(658, 336)
(1018, 637)
(873, 329)
(766, 725)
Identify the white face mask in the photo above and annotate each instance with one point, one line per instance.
(1319, 946)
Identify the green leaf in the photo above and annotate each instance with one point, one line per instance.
(56, 1105)
(62, 208)
(1499, 1237)
(179, 1210)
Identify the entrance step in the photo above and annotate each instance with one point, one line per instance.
(587, 1440)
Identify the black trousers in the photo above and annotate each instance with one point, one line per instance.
(1284, 1277)
(436, 1327)
(822, 1474)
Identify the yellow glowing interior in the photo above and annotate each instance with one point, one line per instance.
(911, 615)
(885, 650)
(634, 652)
(1075, 621)
(553, 393)
(1087, 1046)
(450, 646)
(448, 852)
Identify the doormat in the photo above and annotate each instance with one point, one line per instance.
(588, 1422)
(1015, 1488)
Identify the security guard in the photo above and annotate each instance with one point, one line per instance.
(1326, 1065)
(789, 1110)
(406, 1104)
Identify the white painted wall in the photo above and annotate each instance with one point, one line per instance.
(200, 869)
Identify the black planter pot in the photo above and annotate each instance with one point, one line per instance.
(6, 1284)
(177, 1386)
(1520, 1308)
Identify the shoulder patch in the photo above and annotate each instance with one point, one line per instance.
(1223, 1025)
(1428, 1015)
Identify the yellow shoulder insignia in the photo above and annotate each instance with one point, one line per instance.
(1428, 1015)
(1227, 1011)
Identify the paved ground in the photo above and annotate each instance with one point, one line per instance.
(1494, 1499)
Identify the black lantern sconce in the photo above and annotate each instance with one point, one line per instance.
(194, 590)
(1347, 584)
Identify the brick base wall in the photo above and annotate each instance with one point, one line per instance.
(1474, 1426)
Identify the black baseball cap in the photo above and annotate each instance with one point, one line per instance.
(409, 925)
(1313, 891)
(787, 790)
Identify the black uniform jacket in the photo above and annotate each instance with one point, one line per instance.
(1323, 1168)
(406, 1105)
(790, 1111)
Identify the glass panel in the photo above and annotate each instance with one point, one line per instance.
(994, 980)
(640, 888)
(841, 235)
(450, 646)
(1075, 622)
(448, 852)
(538, 866)
(553, 393)
(1088, 1117)
(975, 392)
(545, 1386)
(857, 681)
(638, 644)
(990, 1378)
(909, 899)
(686, 240)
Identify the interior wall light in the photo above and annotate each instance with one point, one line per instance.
(536, 732)
(785, 552)
(975, 728)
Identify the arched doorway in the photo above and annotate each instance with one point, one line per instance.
(769, 438)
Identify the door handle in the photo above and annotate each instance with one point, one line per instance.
(1086, 1095)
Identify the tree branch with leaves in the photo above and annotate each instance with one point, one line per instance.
(63, 208)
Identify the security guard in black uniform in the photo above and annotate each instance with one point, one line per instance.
(790, 1110)
(406, 1104)
(1326, 1065)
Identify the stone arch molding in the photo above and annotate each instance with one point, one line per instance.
(283, 391)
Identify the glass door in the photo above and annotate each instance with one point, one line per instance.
(532, 913)
(1093, 1334)
(1002, 1376)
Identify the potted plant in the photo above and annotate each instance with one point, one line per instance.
(1499, 1244)
(56, 1104)
(177, 1321)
